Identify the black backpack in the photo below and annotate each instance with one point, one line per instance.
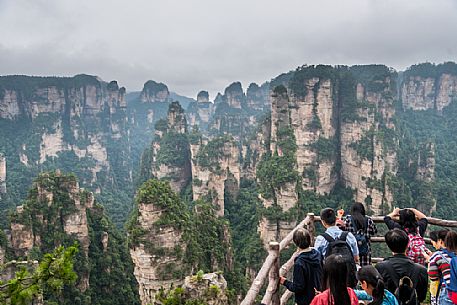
(341, 247)
(361, 237)
(405, 291)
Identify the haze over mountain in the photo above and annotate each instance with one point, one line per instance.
(204, 44)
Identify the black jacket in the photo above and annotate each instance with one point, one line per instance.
(307, 276)
(404, 266)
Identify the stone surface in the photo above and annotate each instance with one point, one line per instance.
(2, 175)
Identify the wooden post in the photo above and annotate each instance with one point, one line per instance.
(272, 294)
(286, 296)
(257, 284)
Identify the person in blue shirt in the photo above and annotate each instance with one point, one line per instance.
(328, 220)
(333, 242)
(373, 288)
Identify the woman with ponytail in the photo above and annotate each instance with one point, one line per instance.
(373, 288)
(334, 283)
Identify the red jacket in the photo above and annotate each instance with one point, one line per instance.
(323, 298)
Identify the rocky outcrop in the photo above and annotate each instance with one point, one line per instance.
(427, 86)
(74, 97)
(157, 246)
(257, 97)
(2, 175)
(215, 166)
(199, 113)
(51, 210)
(154, 92)
(368, 144)
(210, 288)
(171, 150)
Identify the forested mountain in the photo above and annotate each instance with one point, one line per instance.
(239, 171)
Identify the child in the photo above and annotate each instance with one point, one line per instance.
(307, 269)
(373, 288)
(334, 281)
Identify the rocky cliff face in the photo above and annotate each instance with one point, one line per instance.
(77, 124)
(171, 150)
(68, 215)
(154, 92)
(215, 169)
(199, 113)
(57, 212)
(428, 87)
(156, 241)
(2, 175)
(368, 141)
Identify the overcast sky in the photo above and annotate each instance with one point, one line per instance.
(194, 45)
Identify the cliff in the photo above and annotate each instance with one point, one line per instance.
(2, 175)
(215, 169)
(171, 150)
(57, 212)
(167, 241)
(210, 289)
(426, 86)
(235, 113)
(154, 92)
(199, 113)
(75, 123)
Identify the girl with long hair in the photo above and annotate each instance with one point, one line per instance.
(439, 271)
(334, 282)
(363, 227)
(373, 288)
(414, 223)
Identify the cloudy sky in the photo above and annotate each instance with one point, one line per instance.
(206, 44)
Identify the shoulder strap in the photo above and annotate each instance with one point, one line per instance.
(343, 236)
(328, 238)
(391, 272)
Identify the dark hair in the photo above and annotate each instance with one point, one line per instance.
(408, 221)
(439, 235)
(358, 214)
(397, 240)
(334, 278)
(328, 216)
(451, 241)
(302, 238)
(370, 275)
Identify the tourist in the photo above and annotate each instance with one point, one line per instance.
(363, 228)
(414, 223)
(395, 268)
(307, 269)
(373, 288)
(439, 268)
(334, 284)
(336, 241)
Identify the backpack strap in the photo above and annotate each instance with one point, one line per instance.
(328, 238)
(391, 272)
(343, 236)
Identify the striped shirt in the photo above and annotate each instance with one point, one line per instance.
(439, 268)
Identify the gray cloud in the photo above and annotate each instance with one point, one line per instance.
(207, 44)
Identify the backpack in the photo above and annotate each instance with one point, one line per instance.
(341, 247)
(415, 248)
(361, 237)
(405, 291)
(452, 287)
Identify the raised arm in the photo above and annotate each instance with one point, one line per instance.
(419, 214)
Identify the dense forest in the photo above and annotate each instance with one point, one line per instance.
(203, 186)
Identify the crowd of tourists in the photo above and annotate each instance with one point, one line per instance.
(338, 269)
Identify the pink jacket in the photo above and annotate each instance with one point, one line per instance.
(323, 298)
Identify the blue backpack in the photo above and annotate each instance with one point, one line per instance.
(361, 237)
(452, 287)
